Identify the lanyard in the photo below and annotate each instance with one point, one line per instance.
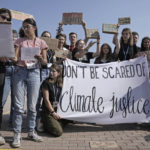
(125, 52)
(55, 89)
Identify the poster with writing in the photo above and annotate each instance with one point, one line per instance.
(92, 33)
(110, 93)
(72, 18)
(63, 53)
(29, 53)
(109, 28)
(6, 40)
(125, 20)
(52, 43)
(20, 15)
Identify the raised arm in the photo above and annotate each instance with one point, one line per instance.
(97, 53)
(116, 41)
(80, 54)
(85, 32)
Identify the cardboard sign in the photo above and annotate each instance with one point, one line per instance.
(20, 15)
(6, 40)
(72, 18)
(122, 21)
(63, 53)
(109, 28)
(51, 43)
(92, 33)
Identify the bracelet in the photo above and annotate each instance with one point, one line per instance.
(52, 112)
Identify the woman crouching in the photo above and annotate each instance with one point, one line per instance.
(51, 89)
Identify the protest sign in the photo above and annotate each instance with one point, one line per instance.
(92, 33)
(52, 43)
(6, 40)
(109, 28)
(110, 93)
(63, 53)
(125, 20)
(29, 53)
(20, 15)
(72, 18)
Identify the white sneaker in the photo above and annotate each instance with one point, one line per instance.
(16, 140)
(2, 140)
(39, 125)
(33, 136)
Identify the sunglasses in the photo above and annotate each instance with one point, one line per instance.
(27, 27)
(5, 18)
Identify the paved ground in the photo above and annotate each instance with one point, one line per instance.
(85, 137)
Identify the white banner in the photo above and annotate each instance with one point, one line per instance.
(110, 93)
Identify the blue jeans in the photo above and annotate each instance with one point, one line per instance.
(7, 88)
(25, 79)
(44, 74)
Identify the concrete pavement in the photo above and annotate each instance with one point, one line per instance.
(81, 136)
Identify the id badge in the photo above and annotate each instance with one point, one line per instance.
(55, 104)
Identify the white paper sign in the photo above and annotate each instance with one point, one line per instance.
(109, 93)
(29, 53)
(6, 41)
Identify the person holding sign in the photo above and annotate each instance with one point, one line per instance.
(45, 70)
(51, 88)
(81, 53)
(105, 56)
(5, 16)
(73, 36)
(10, 67)
(124, 48)
(61, 46)
(31, 52)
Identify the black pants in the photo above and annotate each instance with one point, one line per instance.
(2, 80)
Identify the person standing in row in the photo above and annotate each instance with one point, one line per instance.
(27, 77)
(10, 67)
(124, 48)
(5, 16)
(105, 56)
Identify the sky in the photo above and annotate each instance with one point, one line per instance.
(48, 14)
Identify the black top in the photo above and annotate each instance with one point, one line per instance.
(85, 59)
(54, 91)
(111, 58)
(136, 49)
(126, 52)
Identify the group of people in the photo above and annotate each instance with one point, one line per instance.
(41, 80)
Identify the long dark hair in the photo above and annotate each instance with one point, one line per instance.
(102, 53)
(130, 40)
(59, 78)
(5, 10)
(32, 22)
(142, 43)
(45, 32)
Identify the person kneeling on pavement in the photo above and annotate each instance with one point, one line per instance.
(51, 89)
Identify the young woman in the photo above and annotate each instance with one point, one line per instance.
(124, 48)
(105, 56)
(45, 70)
(51, 92)
(5, 16)
(27, 78)
(145, 44)
(81, 53)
